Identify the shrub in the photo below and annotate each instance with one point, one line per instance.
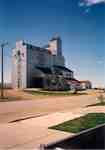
(101, 98)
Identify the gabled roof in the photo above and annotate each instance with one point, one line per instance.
(74, 81)
(63, 68)
(48, 70)
(56, 37)
(45, 70)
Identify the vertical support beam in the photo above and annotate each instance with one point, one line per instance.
(2, 69)
(2, 73)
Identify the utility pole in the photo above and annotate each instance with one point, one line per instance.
(2, 69)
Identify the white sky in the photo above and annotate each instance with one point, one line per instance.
(90, 2)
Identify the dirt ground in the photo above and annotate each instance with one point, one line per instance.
(14, 95)
(24, 105)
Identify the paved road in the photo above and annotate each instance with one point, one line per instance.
(10, 111)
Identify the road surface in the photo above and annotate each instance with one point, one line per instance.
(10, 111)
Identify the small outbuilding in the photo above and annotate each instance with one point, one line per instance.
(86, 84)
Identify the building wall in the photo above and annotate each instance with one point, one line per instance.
(55, 46)
(14, 69)
(86, 85)
(19, 66)
(58, 60)
(23, 69)
(40, 57)
(68, 75)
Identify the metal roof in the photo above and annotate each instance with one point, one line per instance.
(63, 68)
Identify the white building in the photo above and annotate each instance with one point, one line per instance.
(86, 84)
(32, 63)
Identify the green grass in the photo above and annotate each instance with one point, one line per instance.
(85, 122)
(53, 93)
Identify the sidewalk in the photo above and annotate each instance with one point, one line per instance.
(31, 133)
